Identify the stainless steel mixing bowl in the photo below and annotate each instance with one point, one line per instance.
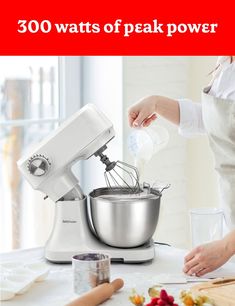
(126, 221)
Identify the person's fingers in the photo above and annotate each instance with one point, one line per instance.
(190, 255)
(142, 116)
(195, 269)
(153, 116)
(132, 115)
(203, 271)
(149, 120)
(147, 123)
(190, 264)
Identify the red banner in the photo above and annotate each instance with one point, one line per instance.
(117, 28)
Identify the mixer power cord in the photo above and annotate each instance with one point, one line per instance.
(161, 243)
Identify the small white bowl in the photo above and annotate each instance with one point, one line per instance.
(22, 282)
(6, 294)
(40, 269)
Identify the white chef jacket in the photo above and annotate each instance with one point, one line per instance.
(222, 86)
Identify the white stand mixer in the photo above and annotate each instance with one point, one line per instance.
(48, 169)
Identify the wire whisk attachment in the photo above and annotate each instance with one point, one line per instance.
(120, 174)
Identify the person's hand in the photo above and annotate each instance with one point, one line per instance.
(143, 112)
(206, 258)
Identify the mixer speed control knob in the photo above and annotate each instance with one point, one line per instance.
(38, 165)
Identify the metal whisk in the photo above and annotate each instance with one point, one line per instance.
(119, 174)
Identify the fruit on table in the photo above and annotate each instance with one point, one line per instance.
(162, 300)
(158, 298)
(188, 299)
(137, 299)
(154, 291)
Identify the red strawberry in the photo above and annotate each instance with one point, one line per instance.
(163, 295)
(154, 301)
(170, 299)
(161, 303)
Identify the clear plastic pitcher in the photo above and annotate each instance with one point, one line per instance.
(144, 142)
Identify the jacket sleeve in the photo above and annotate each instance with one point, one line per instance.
(191, 121)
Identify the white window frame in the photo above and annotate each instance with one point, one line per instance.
(70, 85)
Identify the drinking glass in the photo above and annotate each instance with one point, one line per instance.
(206, 225)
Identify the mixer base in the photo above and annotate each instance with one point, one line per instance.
(72, 235)
(139, 254)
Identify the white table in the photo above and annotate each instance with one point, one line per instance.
(57, 289)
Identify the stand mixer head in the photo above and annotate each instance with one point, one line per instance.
(48, 166)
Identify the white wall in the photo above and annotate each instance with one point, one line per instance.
(186, 164)
(102, 85)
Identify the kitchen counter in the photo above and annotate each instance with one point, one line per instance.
(57, 289)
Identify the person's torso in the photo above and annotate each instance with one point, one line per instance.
(219, 122)
(223, 82)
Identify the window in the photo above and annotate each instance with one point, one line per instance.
(35, 95)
